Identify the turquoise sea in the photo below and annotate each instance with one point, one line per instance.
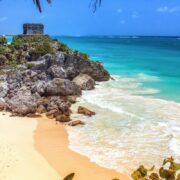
(138, 114)
(137, 57)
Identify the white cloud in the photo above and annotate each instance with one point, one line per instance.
(122, 22)
(119, 10)
(135, 15)
(3, 19)
(166, 9)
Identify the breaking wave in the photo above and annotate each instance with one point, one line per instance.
(129, 128)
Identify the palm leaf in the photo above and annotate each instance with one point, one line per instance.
(38, 4)
(94, 4)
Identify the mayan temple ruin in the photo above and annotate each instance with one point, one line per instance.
(33, 29)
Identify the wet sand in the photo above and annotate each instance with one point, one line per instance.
(51, 140)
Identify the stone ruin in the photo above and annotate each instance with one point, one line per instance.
(33, 29)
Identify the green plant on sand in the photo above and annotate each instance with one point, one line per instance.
(168, 171)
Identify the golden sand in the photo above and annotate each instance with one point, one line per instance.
(37, 149)
(51, 140)
(19, 160)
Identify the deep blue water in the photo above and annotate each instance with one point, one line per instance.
(154, 61)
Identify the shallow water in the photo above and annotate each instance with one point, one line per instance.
(128, 129)
(138, 114)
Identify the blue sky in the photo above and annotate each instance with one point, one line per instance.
(74, 17)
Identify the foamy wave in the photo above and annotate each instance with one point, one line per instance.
(145, 77)
(128, 129)
(137, 77)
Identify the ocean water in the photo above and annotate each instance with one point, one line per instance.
(137, 117)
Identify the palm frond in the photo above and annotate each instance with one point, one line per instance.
(93, 3)
(38, 4)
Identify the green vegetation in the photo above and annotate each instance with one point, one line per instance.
(19, 41)
(29, 65)
(25, 48)
(63, 47)
(168, 171)
(84, 55)
(2, 60)
(31, 39)
(2, 50)
(2, 40)
(42, 49)
(80, 54)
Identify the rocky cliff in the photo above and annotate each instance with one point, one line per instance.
(41, 75)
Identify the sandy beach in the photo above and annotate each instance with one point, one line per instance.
(37, 149)
(19, 159)
(51, 141)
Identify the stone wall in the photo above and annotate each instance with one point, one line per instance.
(33, 29)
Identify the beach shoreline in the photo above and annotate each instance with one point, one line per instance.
(51, 140)
(19, 159)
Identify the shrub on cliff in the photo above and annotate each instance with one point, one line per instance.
(3, 60)
(20, 41)
(11, 56)
(42, 49)
(63, 47)
(82, 55)
(2, 40)
(2, 50)
(31, 39)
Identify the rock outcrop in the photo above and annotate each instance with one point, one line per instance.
(63, 118)
(85, 111)
(61, 87)
(84, 81)
(75, 123)
(41, 75)
(22, 102)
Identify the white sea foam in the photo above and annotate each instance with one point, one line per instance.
(129, 129)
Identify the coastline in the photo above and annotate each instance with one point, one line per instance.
(19, 159)
(51, 140)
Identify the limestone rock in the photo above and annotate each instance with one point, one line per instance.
(85, 111)
(63, 118)
(57, 72)
(3, 89)
(23, 102)
(75, 123)
(3, 104)
(41, 109)
(84, 81)
(59, 58)
(72, 99)
(61, 87)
